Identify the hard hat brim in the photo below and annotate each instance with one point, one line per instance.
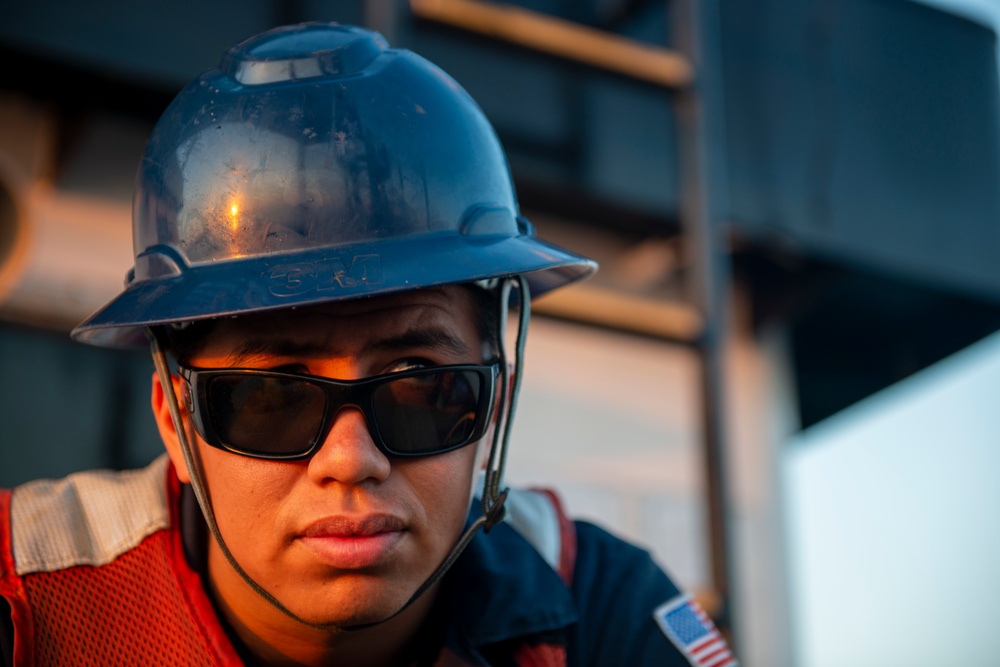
(273, 282)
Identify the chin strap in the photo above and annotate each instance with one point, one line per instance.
(494, 497)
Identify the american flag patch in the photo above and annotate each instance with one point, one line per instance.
(690, 629)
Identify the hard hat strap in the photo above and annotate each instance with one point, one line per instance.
(493, 496)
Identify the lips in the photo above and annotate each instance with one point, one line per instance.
(352, 543)
(342, 526)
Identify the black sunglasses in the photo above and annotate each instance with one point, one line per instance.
(271, 415)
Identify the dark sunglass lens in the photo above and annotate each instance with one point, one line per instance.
(427, 413)
(266, 416)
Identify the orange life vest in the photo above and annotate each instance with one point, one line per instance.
(94, 570)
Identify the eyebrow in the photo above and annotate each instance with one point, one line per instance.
(276, 347)
(430, 338)
(433, 338)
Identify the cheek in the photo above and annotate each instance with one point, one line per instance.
(245, 492)
(443, 486)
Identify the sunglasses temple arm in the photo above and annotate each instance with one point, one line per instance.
(194, 471)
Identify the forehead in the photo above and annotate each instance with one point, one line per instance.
(445, 316)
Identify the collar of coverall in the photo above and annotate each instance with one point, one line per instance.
(493, 496)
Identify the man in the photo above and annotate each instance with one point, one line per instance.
(327, 244)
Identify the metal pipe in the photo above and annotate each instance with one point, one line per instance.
(561, 38)
(701, 146)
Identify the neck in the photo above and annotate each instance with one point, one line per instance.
(275, 639)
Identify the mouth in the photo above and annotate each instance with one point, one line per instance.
(353, 543)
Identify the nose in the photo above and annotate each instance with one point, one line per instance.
(348, 454)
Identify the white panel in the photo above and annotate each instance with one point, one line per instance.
(891, 514)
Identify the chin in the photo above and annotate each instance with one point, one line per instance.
(358, 604)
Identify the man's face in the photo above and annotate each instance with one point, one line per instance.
(346, 536)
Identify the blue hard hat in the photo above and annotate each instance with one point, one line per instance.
(318, 164)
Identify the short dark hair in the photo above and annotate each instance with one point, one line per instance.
(487, 302)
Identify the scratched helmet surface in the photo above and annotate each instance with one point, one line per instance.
(317, 164)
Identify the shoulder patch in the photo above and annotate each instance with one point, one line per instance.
(690, 629)
(88, 518)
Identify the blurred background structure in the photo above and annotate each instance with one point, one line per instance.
(781, 379)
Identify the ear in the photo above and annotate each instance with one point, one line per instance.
(161, 412)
